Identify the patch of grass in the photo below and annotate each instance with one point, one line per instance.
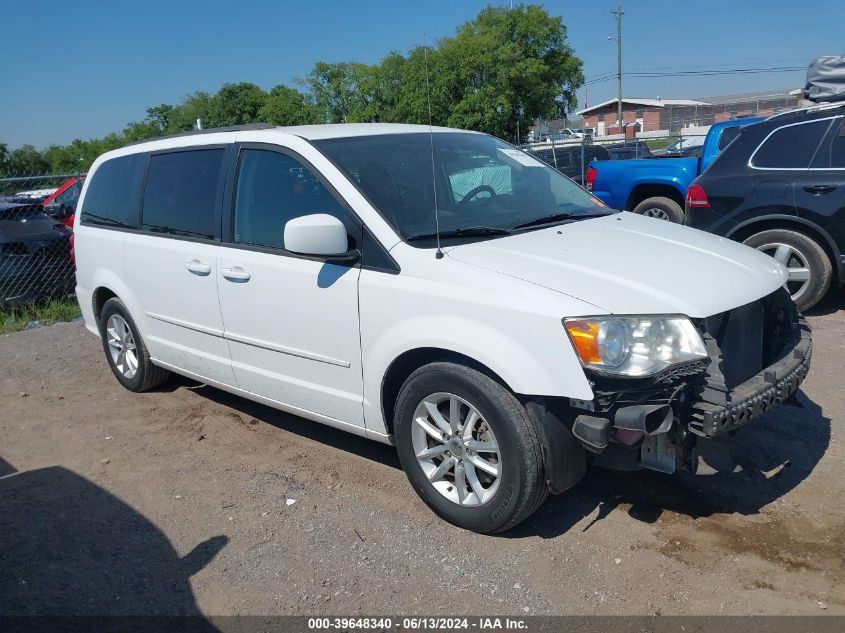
(15, 319)
(660, 143)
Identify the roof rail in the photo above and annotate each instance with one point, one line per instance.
(813, 108)
(211, 130)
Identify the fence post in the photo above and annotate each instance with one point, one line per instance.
(554, 154)
(582, 161)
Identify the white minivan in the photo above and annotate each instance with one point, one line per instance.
(435, 289)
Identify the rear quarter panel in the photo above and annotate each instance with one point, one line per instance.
(616, 180)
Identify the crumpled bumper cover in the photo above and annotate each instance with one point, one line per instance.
(759, 394)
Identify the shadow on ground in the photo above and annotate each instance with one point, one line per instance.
(340, 440)
(774, 455)
(833, 302)
(70, 548)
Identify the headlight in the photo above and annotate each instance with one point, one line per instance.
(634, 345)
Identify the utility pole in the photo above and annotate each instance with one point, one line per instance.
(619, 13)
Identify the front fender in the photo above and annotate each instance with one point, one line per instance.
(530, 366)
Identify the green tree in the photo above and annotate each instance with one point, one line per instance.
(183, 117)
(506, 66)
(345, 92)
(26, 161)
(287, 106)
(514, 62)
(235, 104)
(4, 156)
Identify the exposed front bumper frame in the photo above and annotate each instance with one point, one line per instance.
(759, 394)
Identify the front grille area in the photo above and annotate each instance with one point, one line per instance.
(739, 338)
(759, 354)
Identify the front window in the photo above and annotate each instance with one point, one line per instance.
(479, 182)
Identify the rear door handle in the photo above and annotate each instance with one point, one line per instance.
(236, 274)
(198, 268)
(819, 189)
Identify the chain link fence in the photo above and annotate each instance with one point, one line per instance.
(36, 246)
(675, 128)
(573, 157)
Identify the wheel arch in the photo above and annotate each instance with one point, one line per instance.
(746, 229)
(408, 362)
(644, 191)
(107, 285)
(99, 297)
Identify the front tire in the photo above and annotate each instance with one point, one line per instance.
(125, 350)
(661, 208)
(810, 269)
(469, 448)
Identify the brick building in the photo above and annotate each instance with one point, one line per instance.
(671, 115)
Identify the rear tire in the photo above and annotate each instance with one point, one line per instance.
(661, 208)
(487, 503)
(804, 257)
(125, 350)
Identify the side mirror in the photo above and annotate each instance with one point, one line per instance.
(319, 234)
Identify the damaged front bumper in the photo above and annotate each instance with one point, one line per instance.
(748, 401)
(660, 423)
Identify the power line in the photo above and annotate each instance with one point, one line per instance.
(695, 73)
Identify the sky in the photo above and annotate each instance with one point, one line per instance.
(86, 68)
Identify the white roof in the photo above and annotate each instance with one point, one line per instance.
(650, 103)
(344, 130)
(308, 132)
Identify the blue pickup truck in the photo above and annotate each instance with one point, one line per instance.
(657, 186)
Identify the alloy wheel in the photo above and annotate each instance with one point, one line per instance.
(796, 263)
(656, 212)
(124, 353)
(456, 449)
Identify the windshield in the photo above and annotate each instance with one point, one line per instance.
(481, 182)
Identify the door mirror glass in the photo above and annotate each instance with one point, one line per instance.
(317, 234)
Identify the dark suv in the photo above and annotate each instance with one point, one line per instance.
(780, 187)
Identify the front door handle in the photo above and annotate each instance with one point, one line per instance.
(237, 274)
(818, 190)
(198, 268)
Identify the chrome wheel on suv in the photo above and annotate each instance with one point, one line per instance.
(810, 268)
(456, 449)
(797, 265)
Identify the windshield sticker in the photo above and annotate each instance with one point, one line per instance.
(521, 157)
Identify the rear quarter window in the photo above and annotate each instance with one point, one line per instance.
(181, 193)
(790, 147)
(728, 135)
(114, 193)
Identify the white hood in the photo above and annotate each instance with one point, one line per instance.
(630, 264)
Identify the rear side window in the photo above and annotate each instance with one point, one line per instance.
(113, 196)
(70, 196)
(832, 154)
(791, 147)
(181, 193)
(728, 135)
(837, 149)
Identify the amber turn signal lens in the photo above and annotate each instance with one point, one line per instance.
(585, 338)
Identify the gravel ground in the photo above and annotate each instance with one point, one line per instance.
(188, 500)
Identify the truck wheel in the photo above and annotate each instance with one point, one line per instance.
(469, 448)
(661, 208)
(810, 269)
(125, 350)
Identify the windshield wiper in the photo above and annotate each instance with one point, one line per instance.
(470, 231)
(559, 217)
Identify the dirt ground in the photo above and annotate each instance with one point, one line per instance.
(188, 501)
